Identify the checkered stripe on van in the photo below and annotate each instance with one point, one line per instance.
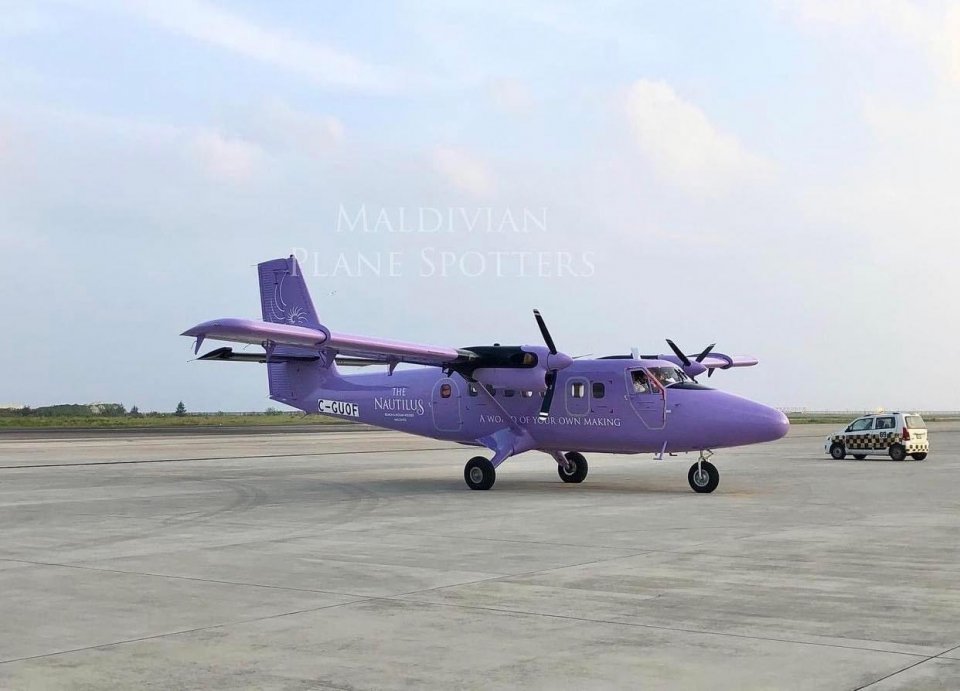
(869, 441)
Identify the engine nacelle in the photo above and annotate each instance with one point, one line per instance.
(523, 368)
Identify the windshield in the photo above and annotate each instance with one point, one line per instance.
(915, 422)
(669, 376)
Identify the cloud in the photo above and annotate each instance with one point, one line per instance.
(512, 96)
(683, 145)
(932, 30)
(232, 160)
(301, 131)
(323, 64)
(464, 171)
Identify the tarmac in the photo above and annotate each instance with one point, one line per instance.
(359, 560)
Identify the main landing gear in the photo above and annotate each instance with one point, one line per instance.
(703, 475)
(479, 473)
(573, 468)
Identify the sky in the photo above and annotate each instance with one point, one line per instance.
(776, 177)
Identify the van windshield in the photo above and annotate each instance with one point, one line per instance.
(915, 422)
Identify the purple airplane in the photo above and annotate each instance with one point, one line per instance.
(509, 399)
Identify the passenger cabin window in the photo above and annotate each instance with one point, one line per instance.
(861, 425)
(445, 390)
(472, 390)
(492, 389)
(599, 390)
(886, 423)
(509, 393)
(527, 394)
(578, 389)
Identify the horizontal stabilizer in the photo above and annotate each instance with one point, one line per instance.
(229, 355)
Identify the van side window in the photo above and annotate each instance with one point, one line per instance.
(599, 390)
(886, 423)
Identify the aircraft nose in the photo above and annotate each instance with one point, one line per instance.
(769, 424)
(753, 423)
(779, 423)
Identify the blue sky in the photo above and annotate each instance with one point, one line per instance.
(778, 177)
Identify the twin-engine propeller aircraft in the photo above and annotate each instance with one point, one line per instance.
(509, 399)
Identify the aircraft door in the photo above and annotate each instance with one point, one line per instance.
(647, 398)
(445, 402)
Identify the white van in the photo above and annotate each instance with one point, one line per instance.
(897, 435)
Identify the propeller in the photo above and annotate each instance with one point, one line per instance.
(555, 362)
(698, 359)
(547, 338)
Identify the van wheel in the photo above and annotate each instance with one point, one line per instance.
(837, 451)
(859, 456)
(897, 452)
(918, 456)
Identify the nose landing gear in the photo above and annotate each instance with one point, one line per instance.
(703, 475)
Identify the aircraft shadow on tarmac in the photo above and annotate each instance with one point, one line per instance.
(507, 485)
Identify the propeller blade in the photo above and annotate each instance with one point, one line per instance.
(706, 351)
(679, 353)
(548, 397)
(709, 373)
(545, 333)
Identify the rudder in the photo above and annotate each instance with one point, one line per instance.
(284, 298)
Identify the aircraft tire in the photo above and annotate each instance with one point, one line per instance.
(579, 472)
(918, 456)
(897, 452)
(706, 480)
(837, 452)
(479, 473)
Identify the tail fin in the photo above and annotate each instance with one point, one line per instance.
(284, 299)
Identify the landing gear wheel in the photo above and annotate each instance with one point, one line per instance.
(918, 456)
(703, 477)
(897, 452)
(576, 470)
(479, 473)
(859, 456)
(837, 451)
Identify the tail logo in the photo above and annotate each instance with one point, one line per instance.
(280, 311)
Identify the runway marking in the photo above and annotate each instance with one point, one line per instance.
(909, 667)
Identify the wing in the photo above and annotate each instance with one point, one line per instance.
(269, 334)
(721, 361)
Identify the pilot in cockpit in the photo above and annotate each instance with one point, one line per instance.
(640, 382)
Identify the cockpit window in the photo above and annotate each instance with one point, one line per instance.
(669, 375)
